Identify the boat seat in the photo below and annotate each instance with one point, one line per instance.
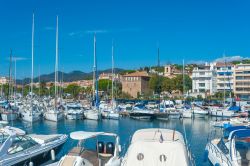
(76, 151)
(68, 160)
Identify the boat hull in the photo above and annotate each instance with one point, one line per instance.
(9, 116)
(92, 115)
(53, 116)
(141, 116)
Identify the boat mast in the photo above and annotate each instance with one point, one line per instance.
(158, 76)
(9, 84)
(183, 78)
(95, 74)
(224, 90)
(32, 60)
(56, 63)
(112, 92)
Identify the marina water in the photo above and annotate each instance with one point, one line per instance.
(197, 131)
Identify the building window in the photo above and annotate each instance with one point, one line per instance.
(202, 84)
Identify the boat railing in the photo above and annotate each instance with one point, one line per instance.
(190, 156)
(218, 153)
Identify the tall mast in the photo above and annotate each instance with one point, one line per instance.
(94, 67)
(158, 76)
(32, 56)
(224, 90)
(183, 77)
(112, 73)
(10, 67)
(56, 63)
(95, 74)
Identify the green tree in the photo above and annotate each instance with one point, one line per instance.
(156, 83)
(73, 89)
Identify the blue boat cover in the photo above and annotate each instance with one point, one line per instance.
(234, 108)
(241, 133)
(228, 130)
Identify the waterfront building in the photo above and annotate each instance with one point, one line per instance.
(204, 80)
(136, 83)
(242, 81)
(4, 80)
(224, 76)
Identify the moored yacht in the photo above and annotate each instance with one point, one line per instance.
(199, 112)
(231, 150)
(152, 147)
(139, 112)
(18, 148)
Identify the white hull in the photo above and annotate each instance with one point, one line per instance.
(187, 114)
(53, 116)
(174, 115)
(74, 116)
(222, 113)
(115, 116)
(9, 116)
(30, 118)
(92, 115)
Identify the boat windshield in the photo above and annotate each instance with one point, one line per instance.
(74, 107)
(222, 146)
(21, 143)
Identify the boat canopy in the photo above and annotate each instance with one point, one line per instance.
(13, 130)
(83, 135)
(228, 130)
(241, 133)
(234, 108)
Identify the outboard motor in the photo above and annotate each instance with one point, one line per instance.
(110, 148)
(100, 147)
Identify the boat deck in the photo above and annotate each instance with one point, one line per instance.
(91, 156)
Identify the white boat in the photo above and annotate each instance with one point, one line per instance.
(92, 114)
(199, 112)
(232, 151)
(231, 122)
(105, 154)
(9, 115)
(223, 113)
(54, 115)
(113, 115)
(141, 113)
(174, 114)
(187, 113)
(74, 111)
(153, 147)
(30, 113)
(28, 149)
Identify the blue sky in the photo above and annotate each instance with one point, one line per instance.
(194, 30)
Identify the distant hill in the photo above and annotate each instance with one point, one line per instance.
(67, 77)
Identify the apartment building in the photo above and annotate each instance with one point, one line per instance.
(242, 81)
(224, 76)
(204, 80)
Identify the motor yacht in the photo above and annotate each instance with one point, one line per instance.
(18, 148)
(74, 111)
(153, 147)
(233, 149)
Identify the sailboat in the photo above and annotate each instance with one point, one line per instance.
(30, 112)
(111, 112)
(53, 113)
(186, 112)
(9, 114)
(94, 114)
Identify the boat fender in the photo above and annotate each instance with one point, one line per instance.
(216, 164)
(31, 163)
(53, 155)
(205, 156)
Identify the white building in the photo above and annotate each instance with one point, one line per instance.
(204, 80)
(225, 76)
(3, 80)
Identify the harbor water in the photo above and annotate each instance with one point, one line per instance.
(197, 131)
